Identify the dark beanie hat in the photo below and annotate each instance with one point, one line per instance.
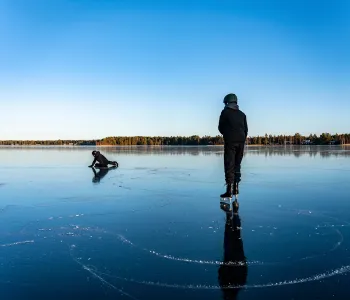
(230, 98)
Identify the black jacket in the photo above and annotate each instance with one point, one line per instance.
(100, 158)
(233, 125)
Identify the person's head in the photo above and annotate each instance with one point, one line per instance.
(230, 98)
(94, 153)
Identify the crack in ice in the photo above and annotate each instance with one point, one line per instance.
(17, 243)
(325, 275)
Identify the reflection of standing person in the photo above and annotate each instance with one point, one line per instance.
(233, 275)
(234, 128)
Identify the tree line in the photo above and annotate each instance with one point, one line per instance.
(298, 139)
(194, 140)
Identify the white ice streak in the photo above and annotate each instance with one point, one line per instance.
(195, 261)
(318, 277)
(17, 243)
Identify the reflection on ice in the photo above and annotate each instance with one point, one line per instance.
(154, 224)
(322, 151)
(224, 287)
(232, 270)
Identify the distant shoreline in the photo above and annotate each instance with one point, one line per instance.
(193, 140)
(158, 146)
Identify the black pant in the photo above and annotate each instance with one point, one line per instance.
(233, 155)
(105, 165)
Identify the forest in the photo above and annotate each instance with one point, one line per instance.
(267, 139)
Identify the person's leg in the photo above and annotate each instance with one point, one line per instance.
(238, 157)
(101, 166)
(239, 151)
(114, 163)
(229, 164)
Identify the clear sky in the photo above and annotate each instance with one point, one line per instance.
(90, 69)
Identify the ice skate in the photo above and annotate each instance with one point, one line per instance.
(229, 192)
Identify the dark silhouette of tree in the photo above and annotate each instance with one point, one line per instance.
(194, 140)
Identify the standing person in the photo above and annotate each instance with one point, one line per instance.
(234, 128)
(103, 161)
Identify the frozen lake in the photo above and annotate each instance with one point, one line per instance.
(153, 228)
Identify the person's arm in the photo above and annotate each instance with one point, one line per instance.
(221, 123)
(93, 162)
(93, 169)
(245, 127)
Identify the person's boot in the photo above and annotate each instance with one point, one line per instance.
(229, 189)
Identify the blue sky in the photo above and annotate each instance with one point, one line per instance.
(90, 69)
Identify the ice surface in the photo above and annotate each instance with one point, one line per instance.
(153, 228)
